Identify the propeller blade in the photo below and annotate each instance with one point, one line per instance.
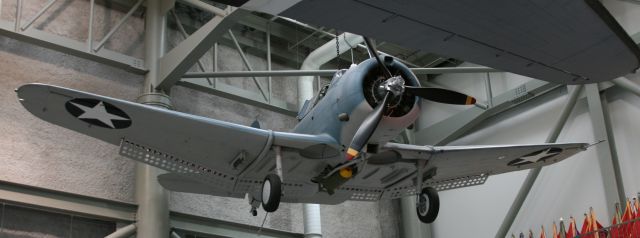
(441, 95)
(373, 52)
(366, 129)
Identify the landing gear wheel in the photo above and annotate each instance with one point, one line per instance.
(428, 205)
(271, 193)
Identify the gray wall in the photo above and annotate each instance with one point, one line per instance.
(36, 153)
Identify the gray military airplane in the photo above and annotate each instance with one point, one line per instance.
(341, 149)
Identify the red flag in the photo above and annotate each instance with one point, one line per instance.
(586, 226)
(626, 217)
(616, 229)
(636, 224)
(573, 230)
(596, 226)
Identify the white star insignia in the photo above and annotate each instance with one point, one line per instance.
(98, 112)
(535, 158)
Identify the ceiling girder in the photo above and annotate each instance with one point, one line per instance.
(182, 57)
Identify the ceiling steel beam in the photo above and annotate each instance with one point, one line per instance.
(251, 42)
(180, 59)
(260, 73)
(247, 64)
(627, 84)
(257, 48)
(35, 17)
(185, 35)
(205, 6)
(124, 232)
(57, 201)
(118, 25)
(327, 72)
(241, 95)
(457, 125)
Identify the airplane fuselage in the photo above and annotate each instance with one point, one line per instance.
(351, 97)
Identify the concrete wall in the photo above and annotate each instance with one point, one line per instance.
(565, 189)
(36, 153)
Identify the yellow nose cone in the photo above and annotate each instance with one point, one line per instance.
(346, 172)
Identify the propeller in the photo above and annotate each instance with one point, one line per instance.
(367, 128)
(393, 88)
(441, 95)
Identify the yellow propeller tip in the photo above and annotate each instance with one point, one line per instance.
(470, 100)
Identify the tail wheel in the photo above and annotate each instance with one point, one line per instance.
(271, 193)
(428, 205)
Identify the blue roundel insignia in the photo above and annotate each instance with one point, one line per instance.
(98, 113)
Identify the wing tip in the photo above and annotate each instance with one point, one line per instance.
(25, 90)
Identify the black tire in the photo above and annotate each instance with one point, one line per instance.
(428, 205)
(271, 193)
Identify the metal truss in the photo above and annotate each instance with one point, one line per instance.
(23, 32)
(182, 57)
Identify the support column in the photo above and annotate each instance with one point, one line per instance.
(312, 223)
(153, 210)
(607, 157)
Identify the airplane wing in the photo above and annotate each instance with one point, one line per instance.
(561, 41)
(230, 158)
(449, 167)
(218, 158)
